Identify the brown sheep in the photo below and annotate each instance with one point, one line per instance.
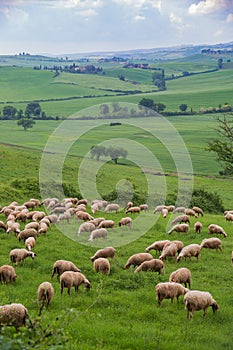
(213, 228)
(179, 228)
(45, 295)
(137, 259)
(133, 210)
(198, 211)
(182, 275)
(71, 279)
(198, 227)
(107, 252)
(155, 265)
(157, 245)
(197, 300)
(102, 265)
(169, 290)
(189, 251)
(7, 274)
(212, 243)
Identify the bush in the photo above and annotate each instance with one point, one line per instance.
(210, 202)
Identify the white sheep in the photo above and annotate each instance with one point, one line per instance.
(196, 300)
(179, 244)
(198, 227)
(69, 279)
(181, 218)
(169, 249)
(45, 295)
(189, 251)
(102, 265)
(144, 207)
(137, 259)
(106, 224)
(13, 315)
(169, 290)
(129, 205)
(86, 227)
(212, 243)
(126, 221)
(164, 213)
(43, 228)
(7, 274)
(158, 209)
(213, 228)
(179, 228)
(29, 232)
(38, 216)
(98, 233)
(182, 275)
(33, 224)
(107, 252)
(97, 221)
(198, 211)
(133, 210)
(229, 217)
(112, 207)
(13, 227)
(30, 243)
(61, 266)
(157, 245)
(190, 212)
(82, 215)
(19, 254)
(179, 210)
(155, 265)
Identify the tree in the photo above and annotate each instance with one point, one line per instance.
(220, 63)
(26, 123)
(159, 107)
(223, 146)
(147, 102)
(9, 112)
(183, 107)
(33, 108)
(104, 109)
(116, 153)
(98, 151)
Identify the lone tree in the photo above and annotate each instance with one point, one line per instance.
(116, 153)
(26, 123)
(223, 146)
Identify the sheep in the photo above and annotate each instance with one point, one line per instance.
(106, 224)
(30, 243)
(98, 205)
(102, 265)
(46, 221)
(71, 279)
(64, 216)
(86, 227)
(82, 201)
(61, 266)
(112, 207)
(33, 224)
(190, 212)
(144, 207)
(45, 295)
(164, 213)
(129, 205)
(7, 274)
(155, 265)
(229, 217)
(170, 249)
(82, 215)
(189, 251)
(157, 245)
(198, 211)
(212, 243)
(13, 315)
(196, 300)
(137, 259)
(22, 216)
(19, 254)
(30, 204)
(107, 252)
(38, 216)
(213, 228)
(30, 232)
(53, 218)
(198, 227)
(80, 207)
(3, 226)
(179, 245)
(179, 228)
(133, 210)
(181, 218)
(169, 290)
(158, 209)
(170, 208)
(179, 210)
(98, 233)
(126, 221)
(182, 275)
(43, 228)
(13, 227)
(97, 221)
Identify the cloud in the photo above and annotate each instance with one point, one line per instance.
(87, 13)
(140, 3)
(139, 18)
(229, 18)
(80, 4)
(15, 15)
(209, 6)
(177, 22)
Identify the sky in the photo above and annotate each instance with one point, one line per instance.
(74, 26)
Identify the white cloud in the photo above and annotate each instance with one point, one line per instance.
(208, 6)
(80, 4)
(87, 13)
(229, 18)
(139, 18)
(140, 3)
(177, 22)
(15, 15)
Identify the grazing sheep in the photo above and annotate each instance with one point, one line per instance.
(179, 245)
(97, 221)
(71, 279)
(81, 201)
(61, 266)
(213, 228)
(3, 226)
(38, 216)
(169, 249)
(179, 228)
(190, 212)
(179, 210)
(169, 290)
(43, 228)
(155, 265)
(189, 251)
(98, 233)
(181, 218)
(126, 221)
(107, 252)
(7, 274)
(182, 275)
(129, 205)
(157, 245)
(19, 254)
(13, 227)
(22, 216)
(33, 224)
(102, 265)
(133, 210)
(164, 213)
(137, 259)
(198, 211)
(30, 243)
(158, 209)
(212, 243)
(53, 218)
(144, 207)
(45, 295)
(170, 208)
(98, 205)
(112, 207)
(13, 315)
(82, 215)
(106, 224)
(86, 227)
(229, 217)
(198, 227)
(196, 300)
(30, 232)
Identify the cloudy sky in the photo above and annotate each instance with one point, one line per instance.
(74, 26)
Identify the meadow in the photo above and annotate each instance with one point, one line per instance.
(120, 311)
